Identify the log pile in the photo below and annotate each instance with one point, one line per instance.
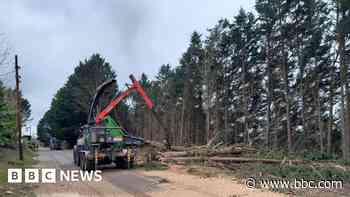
(155, 145)
(223, 156)
(205, 151)
(219, 155)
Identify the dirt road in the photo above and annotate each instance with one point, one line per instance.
(124, 183)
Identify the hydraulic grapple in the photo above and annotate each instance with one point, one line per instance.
(103, 140)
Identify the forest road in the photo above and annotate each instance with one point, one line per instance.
(136, 182)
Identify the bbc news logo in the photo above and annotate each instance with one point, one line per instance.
(51, 175)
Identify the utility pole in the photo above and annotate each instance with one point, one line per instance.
(18, 111)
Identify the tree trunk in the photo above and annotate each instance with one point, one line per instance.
(178, 125)
(286, 93)
(302, 92)
(150, 126)
(208, 98)
(345, 136)
(330, 123)
(347, 91)
(182, 121)
(244, 102)
(269, 93)
(319, 115)
(343, 80)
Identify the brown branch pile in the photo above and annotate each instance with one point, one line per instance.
(222, 156)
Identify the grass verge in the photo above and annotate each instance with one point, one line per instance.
(9, 159)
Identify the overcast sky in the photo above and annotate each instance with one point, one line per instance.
(135, 36)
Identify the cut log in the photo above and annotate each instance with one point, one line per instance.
(179, 148)
(183, 160)
(231, 166)
(252, 160)
(203, 153)
(213, 140)
(175, 154)
(227, 160)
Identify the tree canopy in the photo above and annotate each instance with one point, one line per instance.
(70, 106)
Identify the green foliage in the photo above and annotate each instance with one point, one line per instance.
(318, 155)
(7, 120)
(291, 172)
(343, 162)
(268, 154)
(268, 78)
(283, 154)
(192, 111)
(70, 106)
(305, 172)
(25, 109)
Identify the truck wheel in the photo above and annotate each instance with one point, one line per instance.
(131, 164)
(86, 164)
(124, 163)
(75, 157)
(90, 165)
(119, 163)
(78, 160)
(82, 162)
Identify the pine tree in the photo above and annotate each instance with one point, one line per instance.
(7, 120)
(271, 14)
(241, 73)
(70, 106)
(213, 96)
(342, 39)
(318, 60)
(192, 112)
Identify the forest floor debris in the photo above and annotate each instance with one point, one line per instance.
(242, 162)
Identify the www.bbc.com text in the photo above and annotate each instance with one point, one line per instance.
(293, 184)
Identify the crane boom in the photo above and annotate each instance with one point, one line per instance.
(136, 86)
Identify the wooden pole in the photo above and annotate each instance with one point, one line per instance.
(18, 111)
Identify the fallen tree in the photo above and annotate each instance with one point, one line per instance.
(205, 151)
(254, 160)
(229, 160)
(221, 156)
